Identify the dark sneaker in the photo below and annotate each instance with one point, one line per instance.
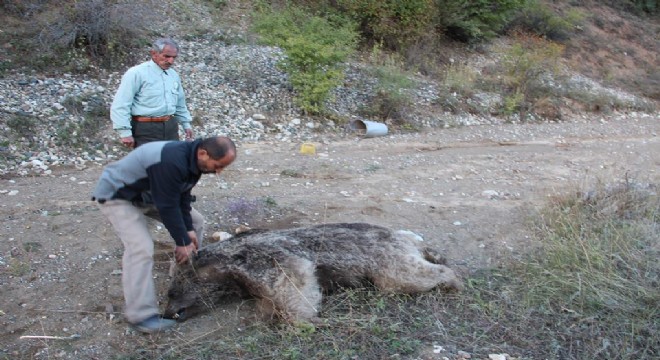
(154, 324)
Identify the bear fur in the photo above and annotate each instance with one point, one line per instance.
(287, 271)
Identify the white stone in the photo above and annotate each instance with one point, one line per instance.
(491, 194)
(498, 356)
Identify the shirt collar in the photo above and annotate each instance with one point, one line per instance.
(194, 145)
(157, 68)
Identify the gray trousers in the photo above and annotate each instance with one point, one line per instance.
(130, 224)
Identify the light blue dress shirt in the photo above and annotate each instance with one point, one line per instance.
(148, 90)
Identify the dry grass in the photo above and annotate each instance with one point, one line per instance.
(589, 291)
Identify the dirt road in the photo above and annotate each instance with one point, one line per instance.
(468, 190)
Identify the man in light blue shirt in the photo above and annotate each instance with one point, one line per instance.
(150, 102)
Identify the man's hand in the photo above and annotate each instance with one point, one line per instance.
(183, 253)
(193, 239)
(189, 134)
(128, 141)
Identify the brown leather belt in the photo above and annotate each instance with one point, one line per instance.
(151, 119)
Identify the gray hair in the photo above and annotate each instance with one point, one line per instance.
(160, 44)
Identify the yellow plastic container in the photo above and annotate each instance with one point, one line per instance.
(307, 149)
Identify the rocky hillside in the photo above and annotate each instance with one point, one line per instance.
(234, 87)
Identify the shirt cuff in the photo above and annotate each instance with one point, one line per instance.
(125, 133)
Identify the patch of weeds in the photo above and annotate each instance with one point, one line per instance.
(387, 104)
(595, 276)
(4, 67)
(605, 102)
(23, 127)
(371, 168)
(32, 246)
(523, 69)
(91, 105)
(357, 323)
(197, 121)
(217, 3)
(391, 99)
(460, 79)
(90, 116)
(291, 173)
(73, 104)
(242, 74)
(270, 202)
(540, 19)
(18, 268)
(462, 92)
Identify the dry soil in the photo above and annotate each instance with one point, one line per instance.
(470, 191)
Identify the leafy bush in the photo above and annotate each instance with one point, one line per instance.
(391, 98)
(399, 24)
(523, 68)
(649, 7)
(315, 50)
(394, 23)
(459, 91)
(539, 19)
(460, 78)
(471, 21)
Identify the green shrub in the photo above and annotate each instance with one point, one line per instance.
(218, 3)
(4, 66)
(394, 23)
(23, 126)
(648, 7)
(522, 69)
(459, 78)
(540, 19)
(391, 98)
(471, 21)
(315, 50)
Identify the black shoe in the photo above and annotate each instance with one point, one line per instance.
(154, 324)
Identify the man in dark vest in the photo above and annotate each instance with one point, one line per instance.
(167, 171)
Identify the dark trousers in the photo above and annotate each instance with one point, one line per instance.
(144, 132)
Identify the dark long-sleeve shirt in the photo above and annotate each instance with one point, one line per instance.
(166, 169)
